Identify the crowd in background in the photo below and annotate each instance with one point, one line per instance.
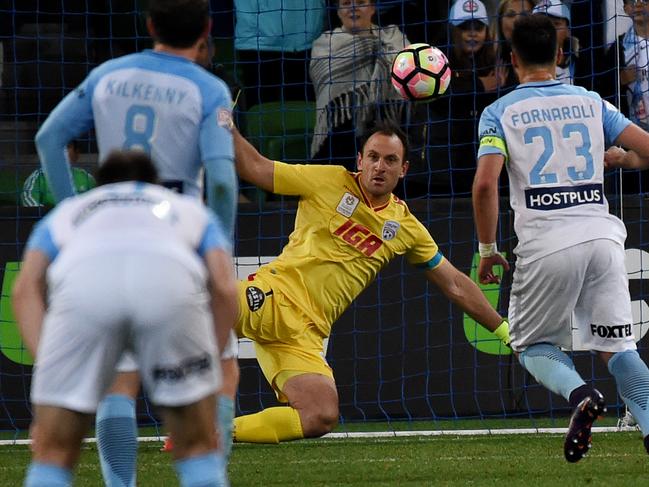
(334, 56)
(345, 69)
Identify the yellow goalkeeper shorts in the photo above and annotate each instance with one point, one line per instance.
(286, 341)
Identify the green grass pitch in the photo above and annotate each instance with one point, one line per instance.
(617, 459)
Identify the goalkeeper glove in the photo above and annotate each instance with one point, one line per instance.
(502, 332)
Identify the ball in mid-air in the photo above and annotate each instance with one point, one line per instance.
(421, 72)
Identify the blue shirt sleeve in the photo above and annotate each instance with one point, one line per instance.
(41, 239)
(614, 122)
(214, 238)
(71, 118)
(217, 153)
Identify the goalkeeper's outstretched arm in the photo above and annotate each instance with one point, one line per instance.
(251, 165)
(465, 293)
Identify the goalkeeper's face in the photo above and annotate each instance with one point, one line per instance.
(382, 164)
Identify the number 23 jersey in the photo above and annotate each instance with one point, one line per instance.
(553, 138)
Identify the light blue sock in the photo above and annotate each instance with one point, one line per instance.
(552, 368)
(226, 417)
(203, 471)
(116, 430)
(632, 379)
(43, 475)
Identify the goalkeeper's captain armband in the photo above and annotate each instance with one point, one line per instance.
(502, 332)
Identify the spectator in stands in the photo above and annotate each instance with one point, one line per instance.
(559, 13)
(452, 133)
(420, 21)
(350, 69)
(273, 45)
(634, 59)
(508, 12)
(36, 191)
(631, 54)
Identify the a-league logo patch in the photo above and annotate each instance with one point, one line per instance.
(255, 298)
(347, 205)
(390, 229)
(224, 118)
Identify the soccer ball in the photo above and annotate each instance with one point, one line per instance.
(420, 72)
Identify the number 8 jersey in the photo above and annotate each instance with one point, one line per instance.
(165, 105)
(553, 138)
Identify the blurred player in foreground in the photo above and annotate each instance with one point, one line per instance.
(570, 289)
(161, 102)
(126, 266)
(347, 228)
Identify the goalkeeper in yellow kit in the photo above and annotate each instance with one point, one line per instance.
(347, 228)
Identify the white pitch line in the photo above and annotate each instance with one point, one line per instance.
(399, 434)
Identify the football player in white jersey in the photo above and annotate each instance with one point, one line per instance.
(161, 102)
(132, 266)
(570, 289)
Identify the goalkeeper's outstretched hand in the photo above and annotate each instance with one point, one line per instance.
(502, 332)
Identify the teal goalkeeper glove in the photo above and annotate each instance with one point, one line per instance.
(502, 332)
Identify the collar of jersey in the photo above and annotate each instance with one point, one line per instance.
(536, 84)
(151, 52)
(366, 200)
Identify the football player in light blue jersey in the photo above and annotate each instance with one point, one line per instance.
(163, 258)
(159, 101)
(570, 289)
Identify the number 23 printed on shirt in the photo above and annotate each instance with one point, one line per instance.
(537, 176)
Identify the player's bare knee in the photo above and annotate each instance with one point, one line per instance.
(328, 418)
(319, 419)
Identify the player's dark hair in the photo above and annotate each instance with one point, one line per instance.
(534, 40)
(179, 23)
(389, 129)
(120, 166)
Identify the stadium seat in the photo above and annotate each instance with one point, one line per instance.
(282, 130)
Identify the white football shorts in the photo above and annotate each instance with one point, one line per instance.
(231, 351)
(576, 298)
(150, 305)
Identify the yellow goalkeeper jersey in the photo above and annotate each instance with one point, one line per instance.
(339, 243)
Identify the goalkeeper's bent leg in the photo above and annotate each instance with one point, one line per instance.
(632, 378)
(271, 425)
(552, 368)
(116, 430)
